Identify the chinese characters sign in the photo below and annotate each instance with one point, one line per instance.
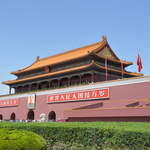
(9, 102)
(79, 95)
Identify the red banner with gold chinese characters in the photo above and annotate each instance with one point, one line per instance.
(9, 102)
(79, 95)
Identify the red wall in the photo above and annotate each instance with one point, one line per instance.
(117, 94)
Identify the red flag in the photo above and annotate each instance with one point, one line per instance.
(106, 68)
(139, 63)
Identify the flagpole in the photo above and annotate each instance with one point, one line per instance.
(106, 73)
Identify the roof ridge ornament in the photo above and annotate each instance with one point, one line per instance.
(37, 58)
(104, 38)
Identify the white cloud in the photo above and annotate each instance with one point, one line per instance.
(4, 89)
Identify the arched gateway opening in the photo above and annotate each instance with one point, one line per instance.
(13, 116)
(30, 115)
(1, 117)
(52, 116)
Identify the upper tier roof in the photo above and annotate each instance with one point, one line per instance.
(69, 55)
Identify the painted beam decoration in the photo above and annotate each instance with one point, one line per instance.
(9, 102)
(79, 95)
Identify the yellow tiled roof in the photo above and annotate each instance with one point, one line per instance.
(115, 60)
(119, 71)
(67, 56)
(65, 71)
(46, 74)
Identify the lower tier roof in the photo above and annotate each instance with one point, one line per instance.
(92, 64)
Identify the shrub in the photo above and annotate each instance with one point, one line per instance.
(100, 136)
(12, 139)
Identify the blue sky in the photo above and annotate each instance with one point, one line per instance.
(31, 28)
